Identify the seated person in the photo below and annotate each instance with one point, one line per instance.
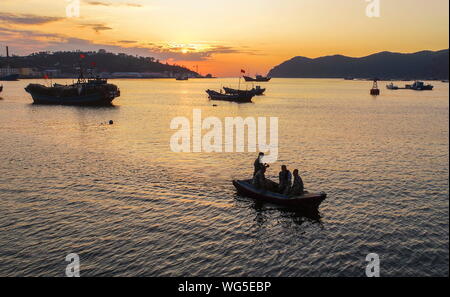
(285, 178)
(298, 188)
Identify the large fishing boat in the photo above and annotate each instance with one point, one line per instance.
(93, 91)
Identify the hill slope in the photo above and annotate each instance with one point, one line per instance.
(384, 65)
(67, 62)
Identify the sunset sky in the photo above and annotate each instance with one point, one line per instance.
(224, 36)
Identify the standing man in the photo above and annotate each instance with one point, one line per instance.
(259, 180)
(258, 165)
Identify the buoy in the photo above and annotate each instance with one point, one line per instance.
(375, 91)
(111, 122)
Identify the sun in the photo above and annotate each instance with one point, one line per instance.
(184, 51)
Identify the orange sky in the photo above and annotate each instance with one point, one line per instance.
(224, 36)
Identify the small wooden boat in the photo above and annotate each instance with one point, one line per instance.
(240, 98)
(308, 200)
(259, 78)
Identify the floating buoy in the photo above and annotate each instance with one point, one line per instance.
(375, 91)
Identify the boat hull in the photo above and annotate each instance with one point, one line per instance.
(254, 91)
(308, 200)
(89, 100)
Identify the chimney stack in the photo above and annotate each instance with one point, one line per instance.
(7, 52)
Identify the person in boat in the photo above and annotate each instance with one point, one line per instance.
(298, 188)
(258, 163)
(259, 180)
(285, 178)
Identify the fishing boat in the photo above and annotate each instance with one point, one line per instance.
(309, 200)
(391, 86)
(419, 86)
(95, 91)
(240, 97)
(258, 78)
(257, 91)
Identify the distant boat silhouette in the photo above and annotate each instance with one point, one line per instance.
(419, 86)
(182, 77)
(258, 78)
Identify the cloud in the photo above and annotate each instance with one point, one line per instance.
(199, 52)
(29, 41)
(96, 27)
(27, 19)
(101, 3)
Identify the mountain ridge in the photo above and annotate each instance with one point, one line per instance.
(423, 64)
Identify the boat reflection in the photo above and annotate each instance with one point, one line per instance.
(297, 216)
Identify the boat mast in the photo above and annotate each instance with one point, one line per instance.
(81, 76)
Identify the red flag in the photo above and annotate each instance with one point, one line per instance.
(82, 56)
(242, 71)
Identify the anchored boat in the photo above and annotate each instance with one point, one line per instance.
(308, 200)
(239, 98)
(95, 91)
(259, 78)
(419, 86)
